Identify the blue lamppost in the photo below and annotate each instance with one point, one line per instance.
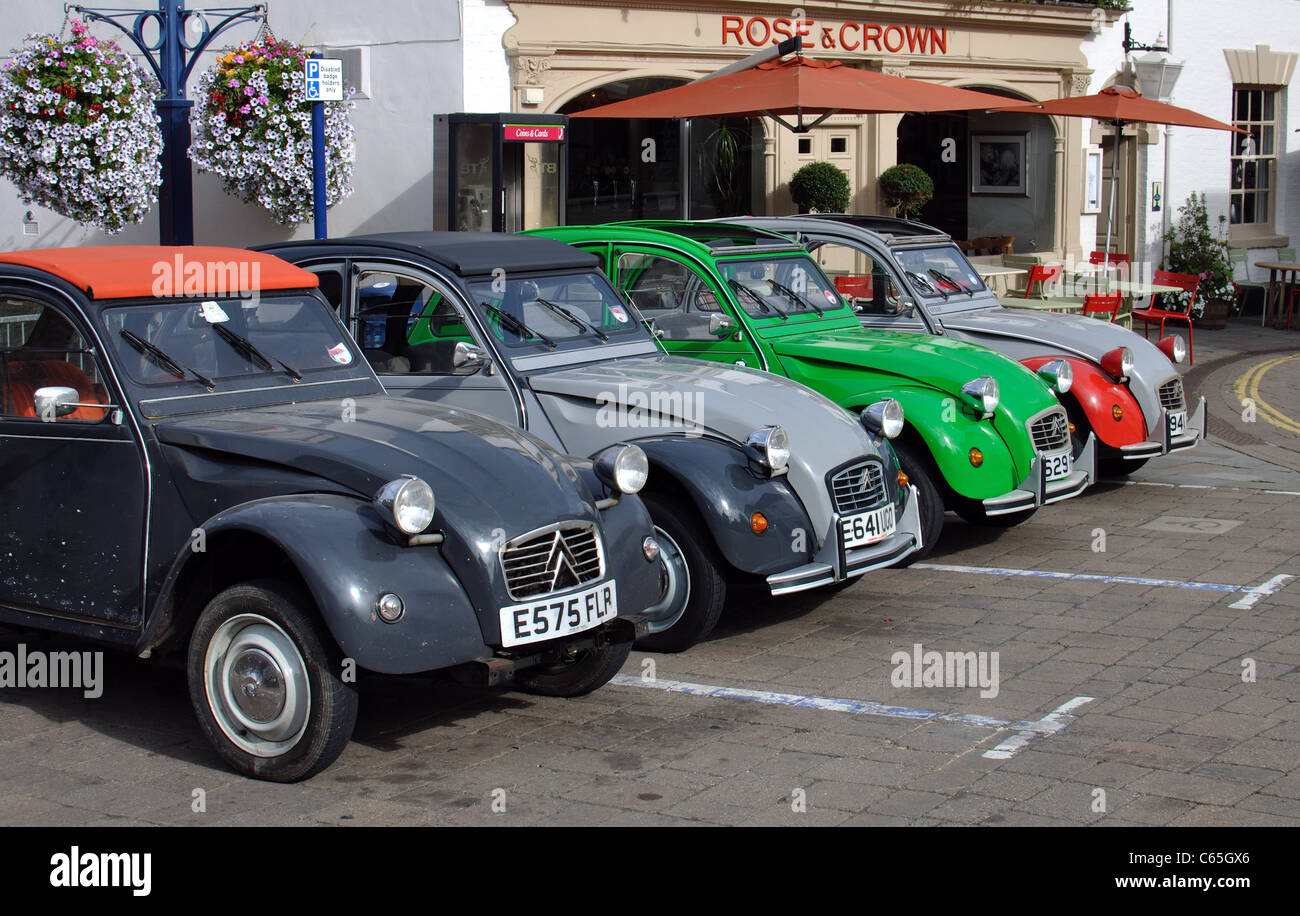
(172, 57)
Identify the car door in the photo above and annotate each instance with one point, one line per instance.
(689, 314)
(72, 487)
(408, 323)
(869, 283)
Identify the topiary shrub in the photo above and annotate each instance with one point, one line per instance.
(906, 187)
(820, 187)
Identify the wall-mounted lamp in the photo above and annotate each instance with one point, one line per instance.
(1130, 45)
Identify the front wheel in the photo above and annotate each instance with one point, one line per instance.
(929, 499)
(580, 673)
(267, 689)
(696, 590)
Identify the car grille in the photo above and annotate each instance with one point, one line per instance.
(1171, 395)
(859, 487)
(1051, 431)
(552, 559)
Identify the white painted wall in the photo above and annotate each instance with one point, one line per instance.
(1198, 159)
(415, 71)
(487, 71)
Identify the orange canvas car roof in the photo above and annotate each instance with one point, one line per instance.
(130, 271)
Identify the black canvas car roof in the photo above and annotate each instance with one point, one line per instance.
(472, 254)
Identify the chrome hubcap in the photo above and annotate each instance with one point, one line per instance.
(677, 593)
(257, 686)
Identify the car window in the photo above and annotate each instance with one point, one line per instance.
(672, 295)
(41, 348)
(406, 325)
(528, 311)
(293, 333)
(862, 279)
(767, 287)
(938, 272)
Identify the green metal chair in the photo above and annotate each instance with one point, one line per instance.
(1247, 289)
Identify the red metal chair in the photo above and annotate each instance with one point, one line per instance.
(1114, 257)
(1152, 315)
(1100, 304)
(1043, 274)
(854, 287)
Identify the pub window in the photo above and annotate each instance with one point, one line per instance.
(805, 146)
(1253, 157)
(839, 144)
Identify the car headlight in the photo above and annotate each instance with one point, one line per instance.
(409, 502)
(622, 467)
(1174, 347)
(884, 417)
(1059, 374)
(1118, 362)
(983, 394)
(771, 445)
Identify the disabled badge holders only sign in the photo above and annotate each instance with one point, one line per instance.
(324, 80)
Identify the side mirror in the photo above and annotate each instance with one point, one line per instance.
(721, 325)
(907, 306)
(55, 401)
(467, 358)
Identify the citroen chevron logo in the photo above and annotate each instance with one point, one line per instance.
(561, 558)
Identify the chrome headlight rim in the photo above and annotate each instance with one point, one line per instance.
(622, 467)
(884, 418)
(408, 502)
(770, 446)
(983, 395)
(1059, 374)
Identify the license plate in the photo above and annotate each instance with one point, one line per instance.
(1058, 466)
(868, 527)
(1177, 424)
(557, 616)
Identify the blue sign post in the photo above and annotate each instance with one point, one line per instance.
(324, 84)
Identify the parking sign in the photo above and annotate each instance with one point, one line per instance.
(324, 80)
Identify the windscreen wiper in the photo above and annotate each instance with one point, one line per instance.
(565, 313)
(924, 283)
(160, 358)
(944, 278)
(514, 324)
(255, 356)
(765, 306)
(796, 298)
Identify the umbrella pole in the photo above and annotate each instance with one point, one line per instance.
(1110, 211)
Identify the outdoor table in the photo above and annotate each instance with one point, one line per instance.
(1137, 288)
(1052, 304)
(997, 272)
(1281, 280)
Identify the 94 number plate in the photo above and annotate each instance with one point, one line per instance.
(557, 616)
(868, 527)
(1177, 424)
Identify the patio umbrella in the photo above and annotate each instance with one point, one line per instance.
(796, 86)
(1120, 105)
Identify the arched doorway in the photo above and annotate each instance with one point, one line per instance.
(648, 168)
(994, 173)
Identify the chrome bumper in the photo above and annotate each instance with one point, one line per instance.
(834, 564)
(1035, 490)
(1166, 443)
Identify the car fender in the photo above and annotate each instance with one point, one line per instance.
(716, 477)
(1098, 394)
(949, 434)
(348, 558)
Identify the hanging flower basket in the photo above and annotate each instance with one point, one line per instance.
(79, 130)
(252, 128)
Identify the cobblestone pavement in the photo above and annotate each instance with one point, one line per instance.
(1184, 688)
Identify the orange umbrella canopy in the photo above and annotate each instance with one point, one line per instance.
(1120, 103)
(796, 86)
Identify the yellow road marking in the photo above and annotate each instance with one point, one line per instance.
(1248, 386)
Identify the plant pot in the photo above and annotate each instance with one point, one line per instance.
(1215, 316)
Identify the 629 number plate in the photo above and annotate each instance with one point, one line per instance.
(1058, 466)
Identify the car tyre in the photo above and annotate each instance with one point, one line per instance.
(684, 540)
(267, 688)
(930, 501)
(583, 673)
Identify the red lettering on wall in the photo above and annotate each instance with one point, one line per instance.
(749, 31)
(803, 27)
(937, 44)
(731, 26)
(781, 27)
(897, 31)
(916, 37)
(844, 42)
(871, 33)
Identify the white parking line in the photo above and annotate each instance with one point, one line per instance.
(1050, 724)
(1200, 486)
(1252, 597)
